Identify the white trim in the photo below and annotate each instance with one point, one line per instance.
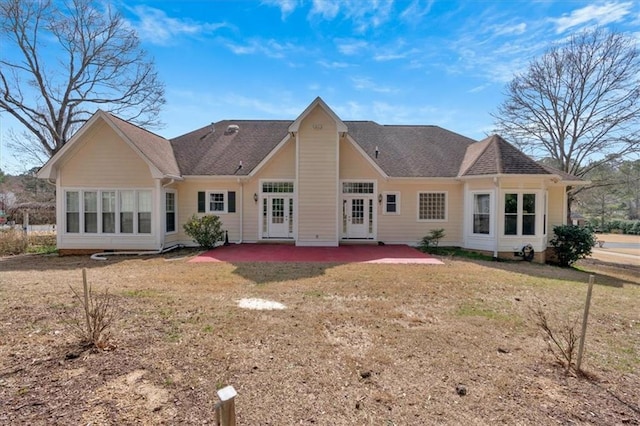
(295, 126)
(539, 212)
(446, 206)
(266, 195)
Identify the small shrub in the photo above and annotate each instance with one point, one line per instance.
(571, 243)
(205, 230)
(96, 315)
(432, 240)
(562, 342)
(13, 241)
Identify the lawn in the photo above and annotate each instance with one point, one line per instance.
(358, 344)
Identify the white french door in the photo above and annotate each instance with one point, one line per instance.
(280, 216)
(357, 217)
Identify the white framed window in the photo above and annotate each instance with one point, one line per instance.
(520, 213)
(432, 206)
(217, 202)
(72, 213)
(108, 211)
(170, 211)
(391, 202)
(481, 224)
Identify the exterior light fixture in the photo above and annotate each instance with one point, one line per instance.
(380, 198)
(255, 197)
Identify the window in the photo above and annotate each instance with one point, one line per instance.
(127, 206)
(144, 212)
(216, 202)
(482, 214)
(511, 214)
(519, 214)
(271, 187)
(109, 212)
(432, 206)
(90, 212)
(170, 211)
(357, 187)
(73, 211)
(391, 203)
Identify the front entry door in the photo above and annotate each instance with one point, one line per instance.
(358, 216)
(280, 217)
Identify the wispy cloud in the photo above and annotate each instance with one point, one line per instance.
(602, 14)
(270, 48)
(416, 11)
(351, 46)
(364, 15)
(366, 83)
(507, 29)
(154, 26)
(286, 6)
(333, 64)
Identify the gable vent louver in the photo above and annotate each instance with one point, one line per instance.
(231, 129)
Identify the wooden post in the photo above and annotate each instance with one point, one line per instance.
(85, 287)
(226, 409)
(584, 323)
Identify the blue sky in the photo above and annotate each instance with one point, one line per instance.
(394, 62)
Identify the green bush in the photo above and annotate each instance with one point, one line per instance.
(432, 240)
(205, 230)
(572, 243)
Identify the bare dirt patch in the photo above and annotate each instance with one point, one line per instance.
(357, 344)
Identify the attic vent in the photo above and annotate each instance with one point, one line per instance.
(232, 128)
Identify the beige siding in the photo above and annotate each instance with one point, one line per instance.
(104, 160)
(282, 165)
(188, 204)
(405, 227)
(556, 208)
(353, 165)
(317, 179)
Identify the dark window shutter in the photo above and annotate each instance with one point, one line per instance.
(202, 203)
(231, 199)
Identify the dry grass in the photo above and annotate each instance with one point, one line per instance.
(358, 344)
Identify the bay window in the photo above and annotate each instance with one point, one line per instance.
(482, 213)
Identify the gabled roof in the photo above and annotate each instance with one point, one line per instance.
(153, 149)
(318, 102)
(495, 156)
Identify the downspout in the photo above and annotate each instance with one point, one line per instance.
(241, 182)
(159, 221)
(496, 204)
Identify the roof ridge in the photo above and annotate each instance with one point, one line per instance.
(478, 156)
(496, 139)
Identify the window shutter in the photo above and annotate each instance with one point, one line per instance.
(231, 199)
(202, 203)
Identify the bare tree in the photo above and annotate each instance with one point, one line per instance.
(62, 60)
(578, 104)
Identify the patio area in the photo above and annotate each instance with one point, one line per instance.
(397, 254)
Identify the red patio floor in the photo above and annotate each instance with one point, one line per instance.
(341, 254)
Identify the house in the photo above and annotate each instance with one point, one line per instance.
(313, 181)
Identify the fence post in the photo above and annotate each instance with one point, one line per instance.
(226, 408)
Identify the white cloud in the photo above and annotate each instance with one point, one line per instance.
(270, 48)
(416, 10)
(327, 9)
(153, 25)
(364, 14)
(600, 14)
(351, 47)
(509, 29)
(365, 83)
(286, 6)
(333, 64)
